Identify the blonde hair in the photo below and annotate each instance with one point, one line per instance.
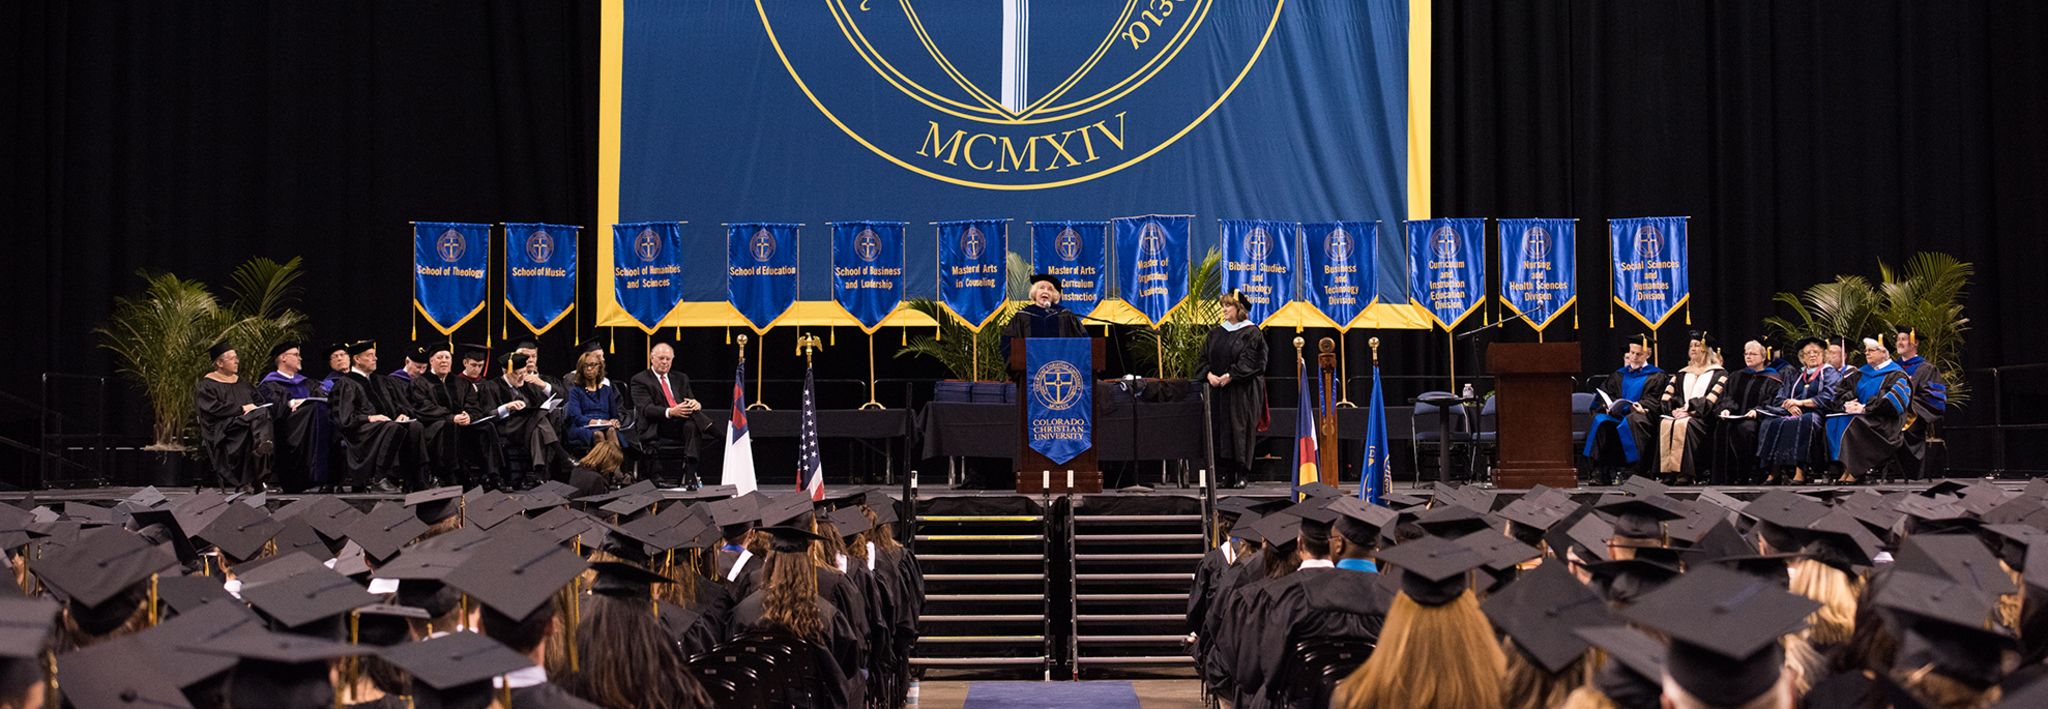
(1803, 663)
(1835, 620)
(1429, 656)
(604, 456)
(1527, 685)
(1587, 698)
(1943, 692)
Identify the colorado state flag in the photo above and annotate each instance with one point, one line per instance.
(1304, 430)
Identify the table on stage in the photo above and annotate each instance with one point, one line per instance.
(891, 427)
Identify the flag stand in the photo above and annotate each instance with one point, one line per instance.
(873, 404)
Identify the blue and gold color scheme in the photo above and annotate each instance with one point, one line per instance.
(972, 260)
(540, 273)
(1650, 280)
(1151, 255)
(1258, 259)
(1538, 278)
(761, 280)
(1376, 476)
(867, 270)
(1447, 267)
(1062, 406)
(647, 267)
(1341, 259)
(450, 265)
(1078, 254)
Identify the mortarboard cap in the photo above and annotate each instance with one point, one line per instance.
(787, 509)
(455, 667)
(850, 522)
(1318, 489)
(516, 575)
(386, 528)
(1470, 497)
(1779, 514)
(433, 506)
(1501, 553)
(1958, 557)
(491, 508)
(737, 511)
(25, 626)
(1454, 521)
(1838, 540)
(1361, 522)
(1590, 535)
(147, 497)
(194, 512)
(1632, 648)
(789, 539)
(277, 568)
(629, 505)
(1541, 609)
(1279, 530)
(307, 597)
(1624, 581)
(240, 531)
(199, 627)
(644, 487)
(1643, 517)
(185, 594)
(626, 580)
(100, 565)
(1926, 595)
(1433, 569)
(109, 674)
(1535, 515)
(1724, 628)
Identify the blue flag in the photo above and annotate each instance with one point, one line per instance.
(761, 270)
(1539, 278)
(972, 256)
(1649, 266)
(540, 273)
(1258, 259)
(1340, 258)
(1062, 406)
(647, 268)
(1376, 475)
(1076, 253)
(1447, 267)
(1152, 263)
(449, 262)
(867, 269)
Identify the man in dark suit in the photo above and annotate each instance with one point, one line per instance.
(671, 424)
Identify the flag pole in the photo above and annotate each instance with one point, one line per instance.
(872, 404)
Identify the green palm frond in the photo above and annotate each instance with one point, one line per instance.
(1181, 335)
(1926, 295)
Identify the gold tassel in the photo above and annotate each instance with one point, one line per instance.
(152, 601)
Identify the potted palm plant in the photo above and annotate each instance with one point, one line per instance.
(1925, 295)
(970, 357)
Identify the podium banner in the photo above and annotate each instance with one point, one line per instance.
(1340, 257)
(761, 270)
(867, 269)
(540, 273)
(449, 263)
(1061, 412)
(1152, 263)
(1077, 253)
(972, 256)
(1650, 279)
(1539, 279)
(647, 267)
(1258, 259)
(1447, 267)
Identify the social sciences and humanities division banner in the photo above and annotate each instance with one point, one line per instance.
(761, 270)
(867, 269)
(1539, 279)
(1078, 254)
(1341, 278)
(647, 269)
(540, 273)
(449, 263)
(1447, 267)
(1062, 406)
(972, 256)
(1650, 279)
(1258, 259)
(1152, 263)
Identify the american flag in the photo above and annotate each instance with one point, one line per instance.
(810, 473)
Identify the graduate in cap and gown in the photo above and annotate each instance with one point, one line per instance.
(234, 429)
(626, 657)
(1788, 437)
(1686, 425)
(384, 440)
(1436, 649)
(1725, 629)
(1878, 397)
(515, 580)
(1746, 398)
(303, 426)
(1345, 600)
(788, 602)
(1622, 435)
(1234, 367)
(1930, 403)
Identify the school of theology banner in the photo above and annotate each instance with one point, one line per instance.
(972, 282)
(1539, 279)
(1077, 254)
(540, 273)
(761, 270)
(1649, 266)
(1152, 263)
(867, 269)
(1447, 267)
(1341, 277)
(1062, 406)
(449, 263)
(647, 270)
(1258, 260)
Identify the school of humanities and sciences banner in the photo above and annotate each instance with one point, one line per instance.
(450, 265)
(646, 273)
(1650, 255)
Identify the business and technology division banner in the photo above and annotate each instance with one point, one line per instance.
(450, 261)
(1650, 256)
(1340, 257)
(1152, 263)
(1539, 279)
(1062, 406)
(540, 273)
(1078, 254)
(1447, 267)
(1258, 260)
(647, 267)
(972, 256)
(760, 270)
(867, 269)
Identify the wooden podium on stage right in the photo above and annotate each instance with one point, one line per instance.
(1534, 416)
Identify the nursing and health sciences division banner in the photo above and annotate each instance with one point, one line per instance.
(647, 267)
(1151, 255)
(761, 270)
(1062, 405)
(1447, 267)
(972, 256)
(449, 266)
(540, 273)
(1341, 280)
(1258, 260)
(1650, 279)
(1077, 253)
(867, 269)
(1539, 278)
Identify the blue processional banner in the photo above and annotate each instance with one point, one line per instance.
(1258, 259)
(1062, 406)
(1650, 279)
(1152, 263)
(1341, 279)
(1539, 278)
(540, 273)
(647, 267)
(1077, 253)
(449, 263)
(867, 269)
(972, 282)
(761, 270)
(1447, 267)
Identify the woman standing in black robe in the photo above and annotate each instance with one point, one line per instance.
(236, 437)
(1044, 317)
(1234, 364)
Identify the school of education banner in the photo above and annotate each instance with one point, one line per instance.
(1062, 405)
(1258, 259)
(1152, 263)
(540, 273)
(1539, 278)
(1650, 255)
(1447, 267)
(867, 270)
(972, 256)
(761, 270)
(1341, 259)
(1077, 253)
(450, 261)
(647, 269)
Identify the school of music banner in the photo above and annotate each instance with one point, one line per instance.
(1539, 279)
(1447, 267)
(867, 269)
(1062, 404)
(540, 273)
(1650, 256)
(1151, 254)
(1258, 260)
(1076, 253)
(761, 270)
(1340, 280)
(972, 280)
(450, 263)
(647, 267)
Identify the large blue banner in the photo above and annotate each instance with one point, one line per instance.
(647, 267)
(1539, 278)
(1649, 266)
(1062, 406)
(540, 273)
(1258, 260)
(1447, 267)
(972, 256)
(1078, 254)
(1340, 257)
(867, 269)
(1152, 263)
(761, 270)
(449, 266)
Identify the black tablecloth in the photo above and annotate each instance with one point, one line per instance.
(832, 423)
(1125, 429)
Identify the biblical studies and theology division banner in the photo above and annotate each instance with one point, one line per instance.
(1152, 263)
(972, 257)
(449, 265)
(1258, 260)
(647, 269)
(1077, 254)
(1650, 255)
(867, 269)
(1447, 267)
(1341, 277)
(761, 270)
(540, 273)
(1062, 405)
(1539, 279)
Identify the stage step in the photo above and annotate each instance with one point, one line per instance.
(1132, 577)
(991, 572)
(993, 597)
(984, 557)
(984, 577)
(1156, 554)
(974, 661)
(1133, 618)
(1122, 597)
(982, 639)
(981, 537)
(972, 518)
(1027, 618)
(1146, 660)
(1078, 538)
(1136, 519)
(1194, 557)
(1130, 639)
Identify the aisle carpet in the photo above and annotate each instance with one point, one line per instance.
(1042, 695)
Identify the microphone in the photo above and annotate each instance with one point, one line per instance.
(1489, 326)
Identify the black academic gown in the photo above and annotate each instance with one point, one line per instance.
(1315, 604)
(1735, 439)
(238, 444)
(843, 593)
(1930, 403)
(547, 695)
(842, 662)
(1033, 321)
(1238, 638)
(1239, 408)
(435, 402)
(1873, 440)
(1631, 440)
(305, 437)
(1214, 649)
(527, 429)
(1685, 445)
(390, 449)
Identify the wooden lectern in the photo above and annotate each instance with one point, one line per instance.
(1534, 413)
(1031, 464)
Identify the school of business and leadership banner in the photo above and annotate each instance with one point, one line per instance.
(1062, 403)
(647, 266)
(1539, 279)
(972, 281)
(450, 263)
(761, 270)
(1076, 253)
(1650, 279)
(1152, 263)
(1447, 267)
(1074, 111)
(1341, 260)
(867, 269)
(1258, 260)
(540, 273)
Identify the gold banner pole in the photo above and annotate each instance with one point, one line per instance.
(1343, 372)
(760, 373)
(873, 403)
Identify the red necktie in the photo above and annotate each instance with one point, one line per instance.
(665, 392)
